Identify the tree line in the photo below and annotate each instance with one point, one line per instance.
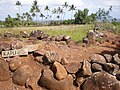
(56, 16)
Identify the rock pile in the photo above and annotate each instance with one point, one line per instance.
(47, 67)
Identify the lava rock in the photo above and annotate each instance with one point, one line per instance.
(72, 68)
(116, 59)
(108, 57)
(50, 83)
(96, 58)
(96, 67)
(22, 74)
(4, 70)
(59, 71)
(101, 81)
(52, 56)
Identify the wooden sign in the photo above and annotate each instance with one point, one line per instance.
(14, 52)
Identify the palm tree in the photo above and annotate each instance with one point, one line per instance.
(65, 6)
(54, 11)
(60, 12)
(42, 16)
(72, 8)
(35, 9)
(47, 9)
(18, 3)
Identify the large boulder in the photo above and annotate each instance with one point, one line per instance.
(4, 70)
(22, 74)
(101, 81)
(59, 71)
(50, 83)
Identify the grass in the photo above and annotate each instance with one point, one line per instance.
(77, 32)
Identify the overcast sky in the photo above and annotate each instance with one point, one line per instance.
(8, 6)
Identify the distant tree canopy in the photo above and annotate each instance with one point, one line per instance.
(82, 17)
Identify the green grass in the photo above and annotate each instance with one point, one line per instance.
(77, 32)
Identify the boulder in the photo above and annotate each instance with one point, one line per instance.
(15, 63)
(50, 83)
(111, 68)
(64, 61)
(91, 37)
(4, 70)
(101, 81)
(5, 46)
(22, 74)
(108, 57)
(116, 59)
(59, 38)
(79, 81)
(96, 58)
(86, 68)
(96, 67)
(59, 71)
(72, 68)
(8, 34)
(36, 34)
(17, 44)
(24, 34)
(52, 56)
(32, 81)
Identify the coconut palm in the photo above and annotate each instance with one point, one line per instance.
(72, 8)
(18, 3)
(65, 6)
(54, 11)
(35, 9)
(42, 16)
(47, 10)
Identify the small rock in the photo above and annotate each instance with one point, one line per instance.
(79, 81)
(111, 68)
(72, 68)
(64, 61)
(15, 63)
(96, 58)
(8, 34)
(118, 75)
(86, 68)
(96, 67)
(59, 71)
(108, 57)
(17, 44)
(24, 34)
(52, 56)
(116, 59)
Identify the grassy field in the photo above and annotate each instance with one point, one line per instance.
(77, 32)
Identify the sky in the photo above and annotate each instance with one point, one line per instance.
(9, 7)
